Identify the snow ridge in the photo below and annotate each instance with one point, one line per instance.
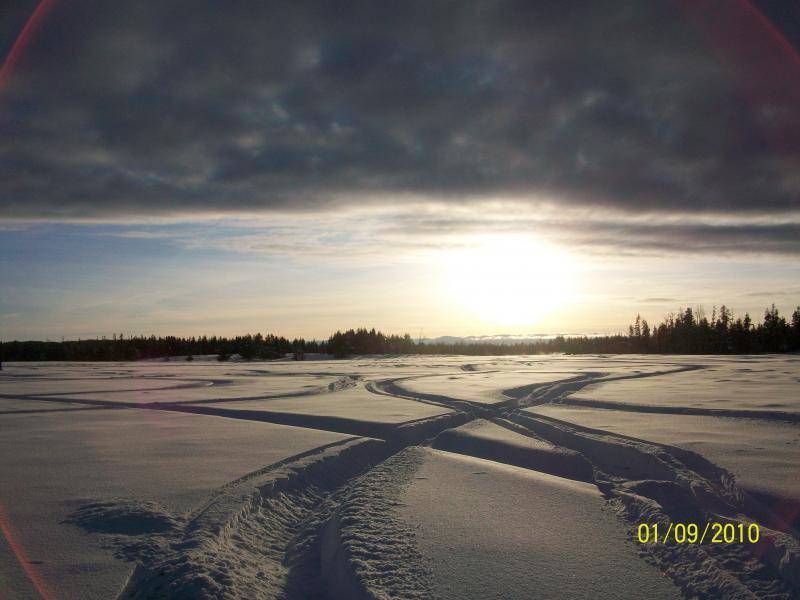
(656, 483)
(367, 550)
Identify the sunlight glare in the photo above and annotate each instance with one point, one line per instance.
(509, 281)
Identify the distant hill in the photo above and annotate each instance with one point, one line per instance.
(506, 339)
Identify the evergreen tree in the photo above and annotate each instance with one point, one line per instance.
(687, 331)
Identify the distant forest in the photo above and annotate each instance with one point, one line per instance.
(685, 332)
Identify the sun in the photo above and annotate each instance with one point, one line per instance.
(508, 281)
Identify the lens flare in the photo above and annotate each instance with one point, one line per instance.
(24, 39)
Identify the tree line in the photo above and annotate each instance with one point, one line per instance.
(688, 331)
(120, 347)
(691, 332)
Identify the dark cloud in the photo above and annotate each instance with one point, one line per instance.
(617, 235)
(147, 108)
(722, 240)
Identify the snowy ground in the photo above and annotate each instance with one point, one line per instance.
(763, 455)
(484, 387)
(772, 386)
(397, 477)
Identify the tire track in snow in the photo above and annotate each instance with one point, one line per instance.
(654, 483)
(658, 483)
(262, 533)
(341, 384)
(769, 415)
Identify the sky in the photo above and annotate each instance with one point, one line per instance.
(436, 168)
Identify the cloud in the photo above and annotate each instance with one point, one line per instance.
(608, 233)
(793, 292)
(168, 109)
(140, 235)
(413, 232)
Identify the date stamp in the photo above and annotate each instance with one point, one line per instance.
(693, 533)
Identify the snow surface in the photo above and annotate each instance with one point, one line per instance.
(485, 388)
(353, 403)
(76, 386)
(26, 405)
(402, 477)
(486, 530)
(238, 387)
(54, 463)
(505, 442)
(763, 455)
(771, 385)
